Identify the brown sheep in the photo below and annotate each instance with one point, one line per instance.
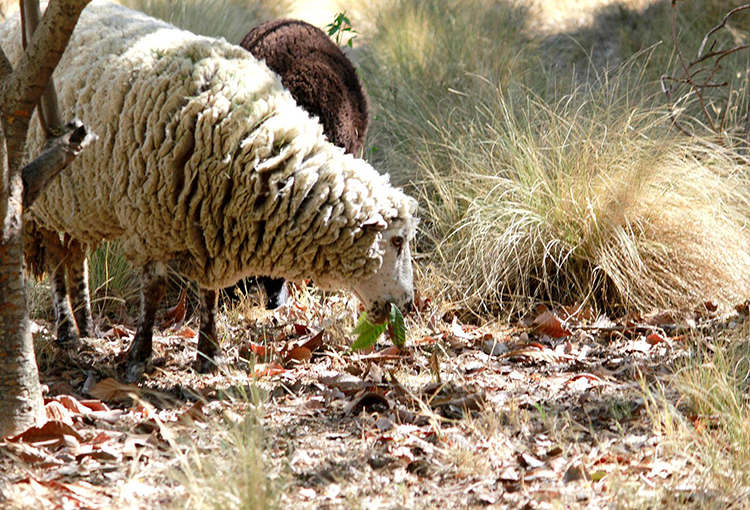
(319, 76)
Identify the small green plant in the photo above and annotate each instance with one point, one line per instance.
(368, 333)
(340, 27)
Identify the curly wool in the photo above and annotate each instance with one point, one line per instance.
(319, 76)
(204, 159)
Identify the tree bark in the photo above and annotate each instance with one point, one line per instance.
(20, 393)
(58, 153)
(21, 404)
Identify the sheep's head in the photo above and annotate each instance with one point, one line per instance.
(393, 281)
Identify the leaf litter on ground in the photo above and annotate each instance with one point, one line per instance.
(416, 415)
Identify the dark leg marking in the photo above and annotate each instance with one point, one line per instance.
(209, 350)
(66, 324)
(67, 332)
(153, 288)
(78, 288)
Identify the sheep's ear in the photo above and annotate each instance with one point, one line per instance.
(376, 223)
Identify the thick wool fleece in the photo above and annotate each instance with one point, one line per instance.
(319, 76)
(204, 160)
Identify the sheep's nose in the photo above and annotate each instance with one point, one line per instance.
(408, 306)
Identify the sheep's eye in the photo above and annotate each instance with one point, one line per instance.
(398, 242)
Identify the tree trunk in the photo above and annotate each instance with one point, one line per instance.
(20, 392)
(21, 404)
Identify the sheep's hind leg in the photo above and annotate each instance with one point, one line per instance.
(153, 289)
(276, 291)
(78, 288)
(54, 258)
(209, 351)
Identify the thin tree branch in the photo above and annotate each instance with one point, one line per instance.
(58, 153)
(25, 86)
(720, 25)
(688, 75)
(49, 111)
(672, 115)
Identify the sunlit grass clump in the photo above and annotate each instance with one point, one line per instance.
(114, 284)
(418, 59)
(588, 198)
(542, 188)
(224, 469)
(701, 418)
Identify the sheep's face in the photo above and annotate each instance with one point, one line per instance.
(393, 282)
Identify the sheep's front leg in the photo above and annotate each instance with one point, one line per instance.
(78, 288)
(153, 288)
(209, 350)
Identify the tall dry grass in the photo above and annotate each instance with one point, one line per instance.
(701, 416)
(586, 198)
(538, 187)
(230, 19)
(225, 470)
(420, 58)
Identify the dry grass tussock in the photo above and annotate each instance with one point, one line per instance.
(420, 58)
(234, 475)
(533, 189)
(584, 199)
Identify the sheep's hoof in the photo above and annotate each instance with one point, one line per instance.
(86, 331)
(135, 370)
(66, 335)
(276, 292)
(279, 298)
(208, 365)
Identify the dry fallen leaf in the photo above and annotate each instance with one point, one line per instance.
(366, 400)
(311, 342)
(175, 315)
(56, 411)
(118, 332)
(547, 323)
(252, 349)
(268, 369)
(194, 413)
(299, 354)
(70, 403)
(388, 354)
(344, 382)
(50, 431)
(95, 405)
(30, 454)
(537, 352)
(472, 402)
(301, 329)
(114, 391)
(185, 332)
(655, 338)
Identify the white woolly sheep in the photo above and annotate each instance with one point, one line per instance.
(323, 82)
(204, 162)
